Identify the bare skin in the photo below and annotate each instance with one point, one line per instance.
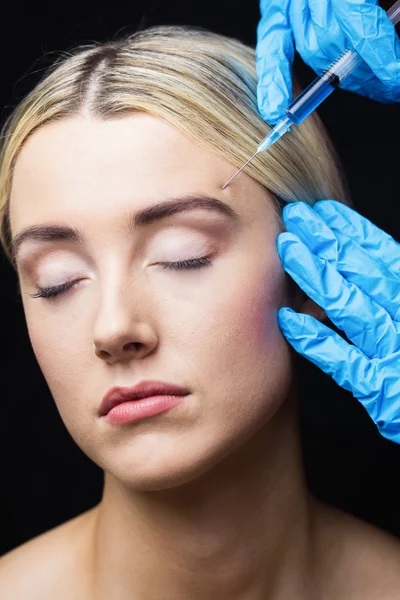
(355, 561)
(209, 499)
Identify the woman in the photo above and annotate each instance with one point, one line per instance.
(167, 277)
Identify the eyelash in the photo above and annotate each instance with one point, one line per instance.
(51, 292)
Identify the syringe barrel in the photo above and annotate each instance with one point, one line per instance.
(311, 97)
(345, 64)
(322, 86)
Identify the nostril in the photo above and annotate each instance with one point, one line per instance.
(134, 345)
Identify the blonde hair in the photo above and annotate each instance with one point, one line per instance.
(202, 83)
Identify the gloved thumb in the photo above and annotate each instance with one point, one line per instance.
(274, 58)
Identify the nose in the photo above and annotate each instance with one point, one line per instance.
(123, 346)
(121, 334)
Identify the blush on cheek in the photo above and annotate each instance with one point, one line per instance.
(261, 300)
(253, 368)
(249, 312)
(259, 320)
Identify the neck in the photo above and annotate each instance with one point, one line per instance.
(243, 529)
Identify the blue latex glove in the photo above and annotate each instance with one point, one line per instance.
(350, 268)
(321, 30)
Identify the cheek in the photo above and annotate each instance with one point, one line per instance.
(243, 363)
(248, 323)
(61, 352)
(252, 371)
(252, 297)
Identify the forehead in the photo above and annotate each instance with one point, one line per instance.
(80, 151)
(80, 165)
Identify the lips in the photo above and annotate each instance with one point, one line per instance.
(144, 389)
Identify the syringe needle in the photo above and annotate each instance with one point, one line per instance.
(237, 173)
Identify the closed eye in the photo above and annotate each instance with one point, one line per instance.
(194, 263)
(51, 292)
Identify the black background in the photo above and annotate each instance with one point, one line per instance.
(45, 478)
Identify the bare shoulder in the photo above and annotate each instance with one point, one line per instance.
(48, 562)
(360, 561)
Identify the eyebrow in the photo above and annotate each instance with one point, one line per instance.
(136, 220)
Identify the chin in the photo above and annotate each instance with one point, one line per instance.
(161, 467)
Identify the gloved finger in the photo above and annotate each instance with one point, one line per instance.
(366, 324)
(382, 402)
(374, 240)
(323, 16)
(317, 34)
(345, 363)
(358, 266)
(373, 36)
(274, 58)
(390, 432)
(372, 276)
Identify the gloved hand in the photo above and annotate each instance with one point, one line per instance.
(321, 30)
(350, 268)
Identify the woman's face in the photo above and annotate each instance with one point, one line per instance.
(211, 329)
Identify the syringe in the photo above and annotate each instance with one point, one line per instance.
(315, 93)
